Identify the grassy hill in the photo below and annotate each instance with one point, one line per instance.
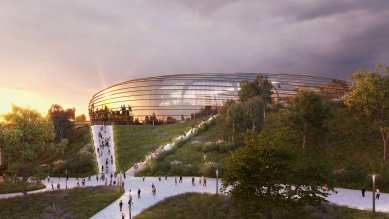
(347, 144)
(196, 205)
(134, 142)
(71, 203)
(200, 155)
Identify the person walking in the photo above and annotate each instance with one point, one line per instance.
(120, 205)
(205, 181)
(52, 185)
(193, 181)
(363, 192)
(129, 197)
(139, 192)
(144, 178)
(180, 181)
(175, 180)
(153, 189)
(122, 215)
(377, 196)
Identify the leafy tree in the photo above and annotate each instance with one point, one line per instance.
(23, 135)
(234, 119)
(259, 87)
(264, 176)
(253, 109)
(306, 113)
(369, 94)
(81, 118)
(63, 121)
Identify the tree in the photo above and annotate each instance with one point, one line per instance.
(234, 119)
(81, 118)
(306, 113)
(23, 135)
(253, 109)
(259, 87)
(63, 121)
(369, 94)
(265, 175)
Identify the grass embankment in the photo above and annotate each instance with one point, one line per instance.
(134, 142)
(71, 203)
(188, 205)
(200, 155)
(8, 187)
(349, 146)
(195, 205)
(78, 156)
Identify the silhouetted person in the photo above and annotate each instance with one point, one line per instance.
(363, 192)
(138, 193)
(120, 205)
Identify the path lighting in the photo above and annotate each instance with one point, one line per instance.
(120, 180)
(373, 177)
(66, 181)
(217, 181)
(130, 201)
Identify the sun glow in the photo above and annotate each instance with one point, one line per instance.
(9, 96)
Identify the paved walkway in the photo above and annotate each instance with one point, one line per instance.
(104, 158)
(167, 188)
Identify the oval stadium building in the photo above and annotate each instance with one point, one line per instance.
(179, 97)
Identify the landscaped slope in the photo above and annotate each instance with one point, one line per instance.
(71, 203)
(200, 155)
(195, 205)
(134, 142)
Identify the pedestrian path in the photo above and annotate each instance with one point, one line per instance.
(105, 154)
(167, 188)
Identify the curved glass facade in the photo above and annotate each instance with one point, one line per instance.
(180, 96)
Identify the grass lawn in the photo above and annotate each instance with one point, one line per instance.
(7, 187)
(188, 158)
(196, 205)
(134, 142)
(188, 205)
(71, 203)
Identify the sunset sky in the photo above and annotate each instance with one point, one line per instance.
(65, 51)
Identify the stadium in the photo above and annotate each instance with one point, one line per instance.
(180, 97)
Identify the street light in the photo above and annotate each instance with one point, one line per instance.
(130, 203)
(217, 181)
(66, 185)
(373, 176)
(120, 180)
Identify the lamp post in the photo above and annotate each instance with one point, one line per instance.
(373, 176)
(66, 181)
(217, 181)
(130, 203)
(120, 180)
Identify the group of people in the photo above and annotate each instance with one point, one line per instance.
(104, 145)
(82, 182)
